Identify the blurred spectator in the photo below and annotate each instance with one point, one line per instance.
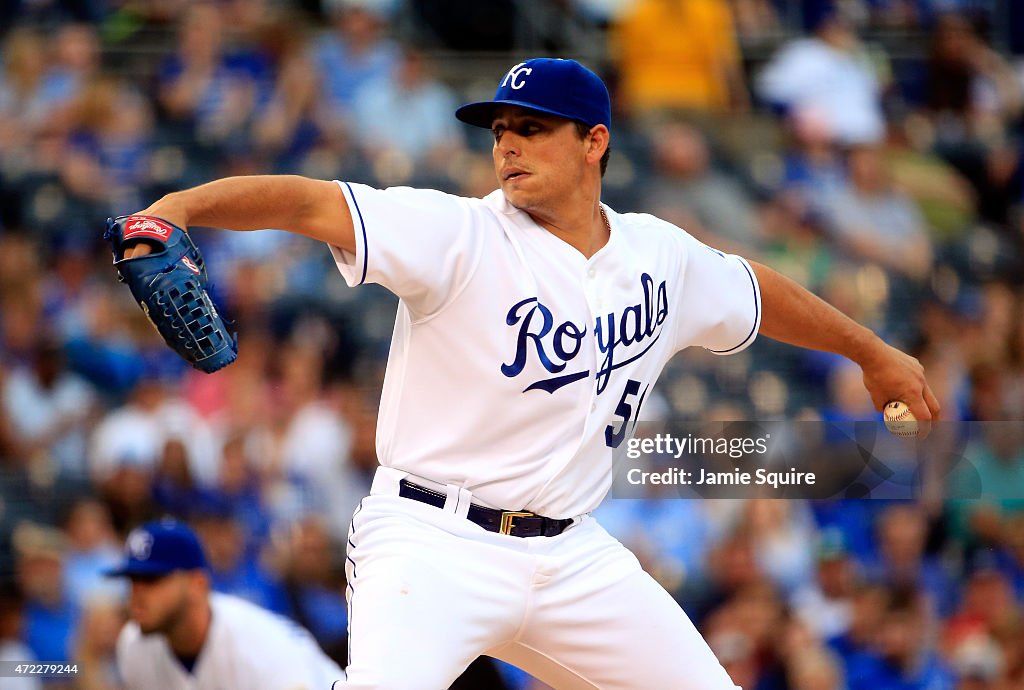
(987, 610)
(815, 669)
(689, 191)
(239, 485)
(106, 333)
(175, 490)
(987, 486)
(825, 605)
(236, 401)
(757, 21)
(972, 90)
(902, 562)
(831, 74)
(731, 566)
(794, 244)
(948, 333)
(972, 96)
(383, 109)
(21, 300)
(210, 93)
(990, 397)
(69, 286)
(302, 452)
(92, 548)
(678, 55)
(295, 124)
(357, 406)
(669, 535)
(847, 402)
(349, 56)
(735, 651)
(254, 281)
(979, 664)
(233, 569)
(944, 197)
(988, 345)
(50, 615)
(96, 644)
(873, 222)
(155, 417)
(50, 410)
(315, 588)
(1010, 558)
(107, 162)
(800, 659)
(812, 166)
(25, 107)
(130, 442)
(904, 657)
(12, 648)
(784, 535)
(74, 63)
(746, 628)
(854, 646)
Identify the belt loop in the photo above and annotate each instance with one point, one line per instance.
(458, 500)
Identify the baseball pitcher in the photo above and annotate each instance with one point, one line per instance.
(532, 326)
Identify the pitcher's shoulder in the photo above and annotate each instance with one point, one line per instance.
(648, 228)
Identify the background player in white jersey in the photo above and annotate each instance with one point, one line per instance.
(532, 325)
(183, 637)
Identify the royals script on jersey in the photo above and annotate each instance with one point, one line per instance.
(517, 365)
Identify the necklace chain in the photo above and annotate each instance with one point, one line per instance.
(604, 217)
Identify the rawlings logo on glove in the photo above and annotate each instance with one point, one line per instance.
(153, 228)
(170, 285)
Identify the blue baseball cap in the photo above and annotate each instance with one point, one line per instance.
(160, 548)
(548, 85)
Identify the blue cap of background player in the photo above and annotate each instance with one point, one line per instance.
(548, 85)
(160, 548)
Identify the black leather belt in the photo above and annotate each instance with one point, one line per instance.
(514, 523)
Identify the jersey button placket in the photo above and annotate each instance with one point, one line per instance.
(593, 294)
(596, 301)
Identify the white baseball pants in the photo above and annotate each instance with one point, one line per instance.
(429, 591)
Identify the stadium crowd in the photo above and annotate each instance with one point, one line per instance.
(870, 149)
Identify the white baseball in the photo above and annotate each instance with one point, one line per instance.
(899, 419)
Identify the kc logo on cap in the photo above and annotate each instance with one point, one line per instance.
(563, 88)
(514, 73)
(159, 548)
(140, 544)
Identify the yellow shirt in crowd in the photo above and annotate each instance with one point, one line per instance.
(675, 54)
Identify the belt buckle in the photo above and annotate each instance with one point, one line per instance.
(506, 520)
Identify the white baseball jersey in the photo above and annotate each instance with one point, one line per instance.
(517, 364)
(247, 648)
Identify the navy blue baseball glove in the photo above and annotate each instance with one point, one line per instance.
(170, 285)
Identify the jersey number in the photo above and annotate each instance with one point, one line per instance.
(613, 438)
